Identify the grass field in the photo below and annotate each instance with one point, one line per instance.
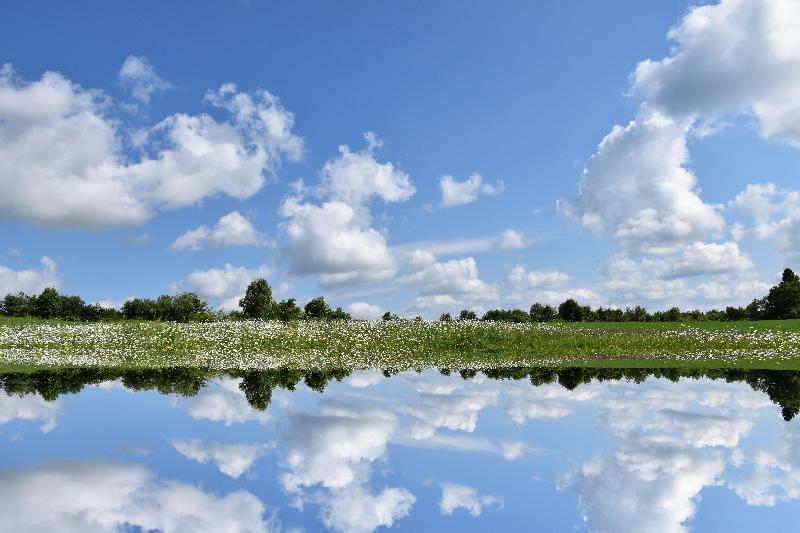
(398, 344)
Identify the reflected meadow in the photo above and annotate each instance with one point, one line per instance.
(187, 449)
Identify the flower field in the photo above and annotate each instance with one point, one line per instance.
(393, 344)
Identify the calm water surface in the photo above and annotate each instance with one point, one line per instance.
(187, 450)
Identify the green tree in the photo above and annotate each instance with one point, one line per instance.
(48, 304)
(340, 314)
(258, 301)
(788, 276)
(570, 311)
(189, 306)
(317, 308)
(783, 300)
(288, 310)
(389, 316)
(18, 304)
(467, 314)
(445, 317)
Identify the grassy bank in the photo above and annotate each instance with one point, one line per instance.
(399, 344)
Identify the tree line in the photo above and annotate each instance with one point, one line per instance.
(257, 303)
(782, 386)
(781, 302)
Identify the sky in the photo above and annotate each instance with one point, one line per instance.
(417, 157)
(415, 452)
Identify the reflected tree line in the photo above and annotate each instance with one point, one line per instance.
(781, 386)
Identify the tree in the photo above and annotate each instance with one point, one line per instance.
(445, 317)
(789, 276)
(466, 314)
(673, 315)
(18, 304)
(783, 300)
(288, 310)
(318, 308)
(258, 301)
(389, 316)
(48, 304)
(339, 314)
(570, 311)
(189, 306)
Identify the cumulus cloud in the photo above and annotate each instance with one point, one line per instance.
(30, 281)
(233, 460)
(230, 230)
(522, 279)
(356, 510)
(456, 277)
(224, 285)
(64, 161)
(775, 476)
(335, 238)
(637, 188)
(221, 401)
(139, 77)
(733, 56)
(333, 450)
(709, 258)
(30, 407)
(653, 480)
(467, 191)
(101, 496)
(365, 310)
(774, 214)
(664, 280)
(454, 411)
(456, 496)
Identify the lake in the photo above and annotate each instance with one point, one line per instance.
(519, 449)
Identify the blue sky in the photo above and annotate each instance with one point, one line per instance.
(121, 133)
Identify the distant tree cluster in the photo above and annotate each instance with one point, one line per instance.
(51, 304)
(259, 303)
(782, 302)
(184, 307)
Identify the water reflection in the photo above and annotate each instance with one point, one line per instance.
(187, 449)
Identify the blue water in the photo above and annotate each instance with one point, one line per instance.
(415, 452)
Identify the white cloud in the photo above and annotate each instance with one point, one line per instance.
(775, 215)
(138, 76)
(637, 188)
(335, 239)
(354, 177)
(733, 56)
(221, 401)
(29, 407)
(709, 258)
(467, 191)
(29, 281)
(355, 510)
(775, 476)
(94, 496)
(365, 310)
(522, 279)
(230, 230)
(224, 285)
(510, 239)
(365, 378)
(334, 448)
(652, 480)
(233, 460)
(456, 496)
(456, 277)
(63, 160)
(454, 411)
